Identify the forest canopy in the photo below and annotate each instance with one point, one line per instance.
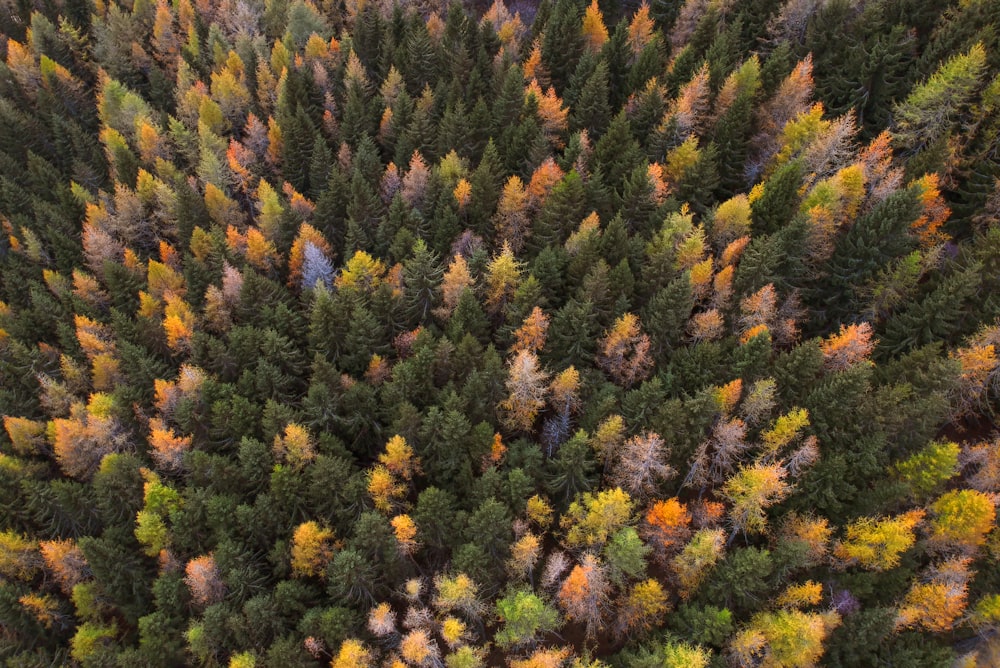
(563, 334)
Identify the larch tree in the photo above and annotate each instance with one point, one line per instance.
(878, 544)
(203, 579)
(584, 594)
(751, 491)
(624, 352)
(641, 465)
(312, 549)
(527, 386)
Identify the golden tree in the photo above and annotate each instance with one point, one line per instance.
(531, 334)
(527, 384)
(312, 549)
(624, 352)
(595, 33)
(455, 281)
(878, 544)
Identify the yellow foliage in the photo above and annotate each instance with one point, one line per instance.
(312, 549)
(384, 489)
(362, 272)
(19, 558)
(932, 606)
(261, 252)
(295, 446)
(178, 322)
(785, 429)
(539, 511)
(462, 193)
(25, 435)
(406, 533)
(962, 518)
(352, 653)
(591, 519)
(698, 556)
(878, 544)
(595, 34)
(43, 607)
(645, 606)
(801, 595)
(399, 458)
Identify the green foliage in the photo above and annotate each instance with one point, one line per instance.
(207, 262)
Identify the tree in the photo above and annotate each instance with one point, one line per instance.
(312, 549)
(932, 108)
(584, 594)
(531, 334)
(203, 579)
(524, 617)
(511, 221)
(960, 520)
(458, 593)
(646, 604)
(595, 34)
(640, 466)
(853, 344)
(527, 386)
(926, 470)
(666, 526)
(624, 352)
(878, 544)
(784, 639)
(352, 654)
(456, 281)
(503, 276)
(701, 553)
(295, 446)
(752, 490)
(591, 520)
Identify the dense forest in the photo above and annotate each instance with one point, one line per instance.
(386, 334)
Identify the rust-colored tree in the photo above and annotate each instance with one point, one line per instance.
(624, 352)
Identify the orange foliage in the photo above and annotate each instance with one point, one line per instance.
(497, 450)
(853, 344)
(66, 561)
(178, 323)
(544, 178)
(551, 112)
(203, 579)
(624, 352)
(296, 256)
(640, 30)
(595, 33)
(462, 193)
(584, 593)
(456, 280)
(934, 212)
(531, 334)
(667, 527)
(167, 448)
